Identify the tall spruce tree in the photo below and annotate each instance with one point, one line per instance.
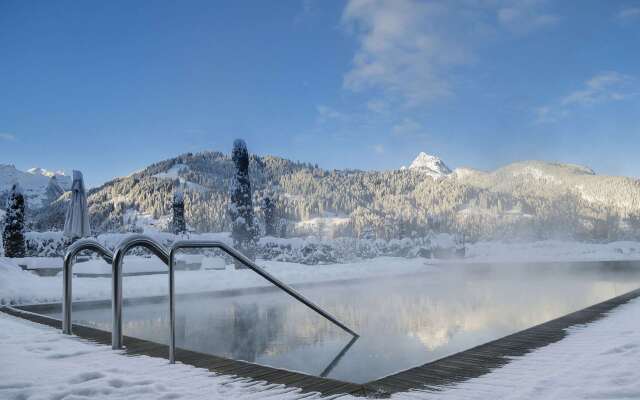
(269, 210)
(178, 224)
(243, 230)
(13, 235)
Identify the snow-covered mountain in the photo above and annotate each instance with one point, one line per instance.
(430, 165)
(39, 186)
(529, 198)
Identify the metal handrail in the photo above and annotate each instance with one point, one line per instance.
(116, 280)
(196, 244)
(116, 259)
(70, 255)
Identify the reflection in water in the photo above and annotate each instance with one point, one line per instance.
(403, 322)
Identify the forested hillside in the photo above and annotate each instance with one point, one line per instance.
(529, 199)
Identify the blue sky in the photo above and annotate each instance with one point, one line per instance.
(109, 87)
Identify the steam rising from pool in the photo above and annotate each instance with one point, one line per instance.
(403, 321)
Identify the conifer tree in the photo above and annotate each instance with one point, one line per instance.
(179, 224)
(269, 210)
(13, 236)
(243, 230)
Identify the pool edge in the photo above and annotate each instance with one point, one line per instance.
(435, 375)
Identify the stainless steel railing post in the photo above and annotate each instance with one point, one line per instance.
(172, 310)
(116, 295)
(69, 257)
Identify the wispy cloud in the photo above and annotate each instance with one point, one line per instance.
(326, 113)
(607, 86)
(308, 9)
(601, 88)
(408, 49)
(524, 16)
(376, 106)
(7, 137)
(629, 14)
(378, 149)
(408, 127)
(400, 50)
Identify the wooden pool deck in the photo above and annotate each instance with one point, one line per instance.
(436, 375)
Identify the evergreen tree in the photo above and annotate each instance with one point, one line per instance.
(13, 234)
(269, 211)
(243, 230)
(178, 224)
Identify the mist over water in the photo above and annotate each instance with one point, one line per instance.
(403, 321)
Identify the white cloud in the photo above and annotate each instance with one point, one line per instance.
(408, 128)
(401, 50)
(7, 136)
(629, 13)
(601, 88)
(523, 16)
(377, 106)
(608, 86)
(408, 49)
(326, 113)
(378, 148)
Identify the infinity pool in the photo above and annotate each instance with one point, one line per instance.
(403, 321)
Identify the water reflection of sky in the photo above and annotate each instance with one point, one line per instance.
(403, 322)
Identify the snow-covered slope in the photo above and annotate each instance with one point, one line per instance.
(430, 165)
(34, 183)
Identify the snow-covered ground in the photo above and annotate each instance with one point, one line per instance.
(20, 287)
(600, 360)
(37, 362)
(551, 251)
(26, 288)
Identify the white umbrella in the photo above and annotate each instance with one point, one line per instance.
(76, 222)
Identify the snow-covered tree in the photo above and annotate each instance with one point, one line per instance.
(269, 211)
(13, 234)
(178, 222)
(243, 230)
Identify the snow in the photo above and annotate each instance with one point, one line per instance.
(20, 287)
(597, 360)
(39, 262)
(173, 172)
(38, 363)
(63, 179)
(34, 182)
(551, 251)
(134, 219)
(430, 165)
(328, 224)
(600, 360)
(466, 173)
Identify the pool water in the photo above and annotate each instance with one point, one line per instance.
(403, 321)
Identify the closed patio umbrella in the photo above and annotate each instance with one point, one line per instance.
(76, 222)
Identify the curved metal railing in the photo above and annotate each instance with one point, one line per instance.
(69, 257)
(116, 279)
(167, 257)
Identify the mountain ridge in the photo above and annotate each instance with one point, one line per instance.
(528, 198)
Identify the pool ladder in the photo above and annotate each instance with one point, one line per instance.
(168, 258)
